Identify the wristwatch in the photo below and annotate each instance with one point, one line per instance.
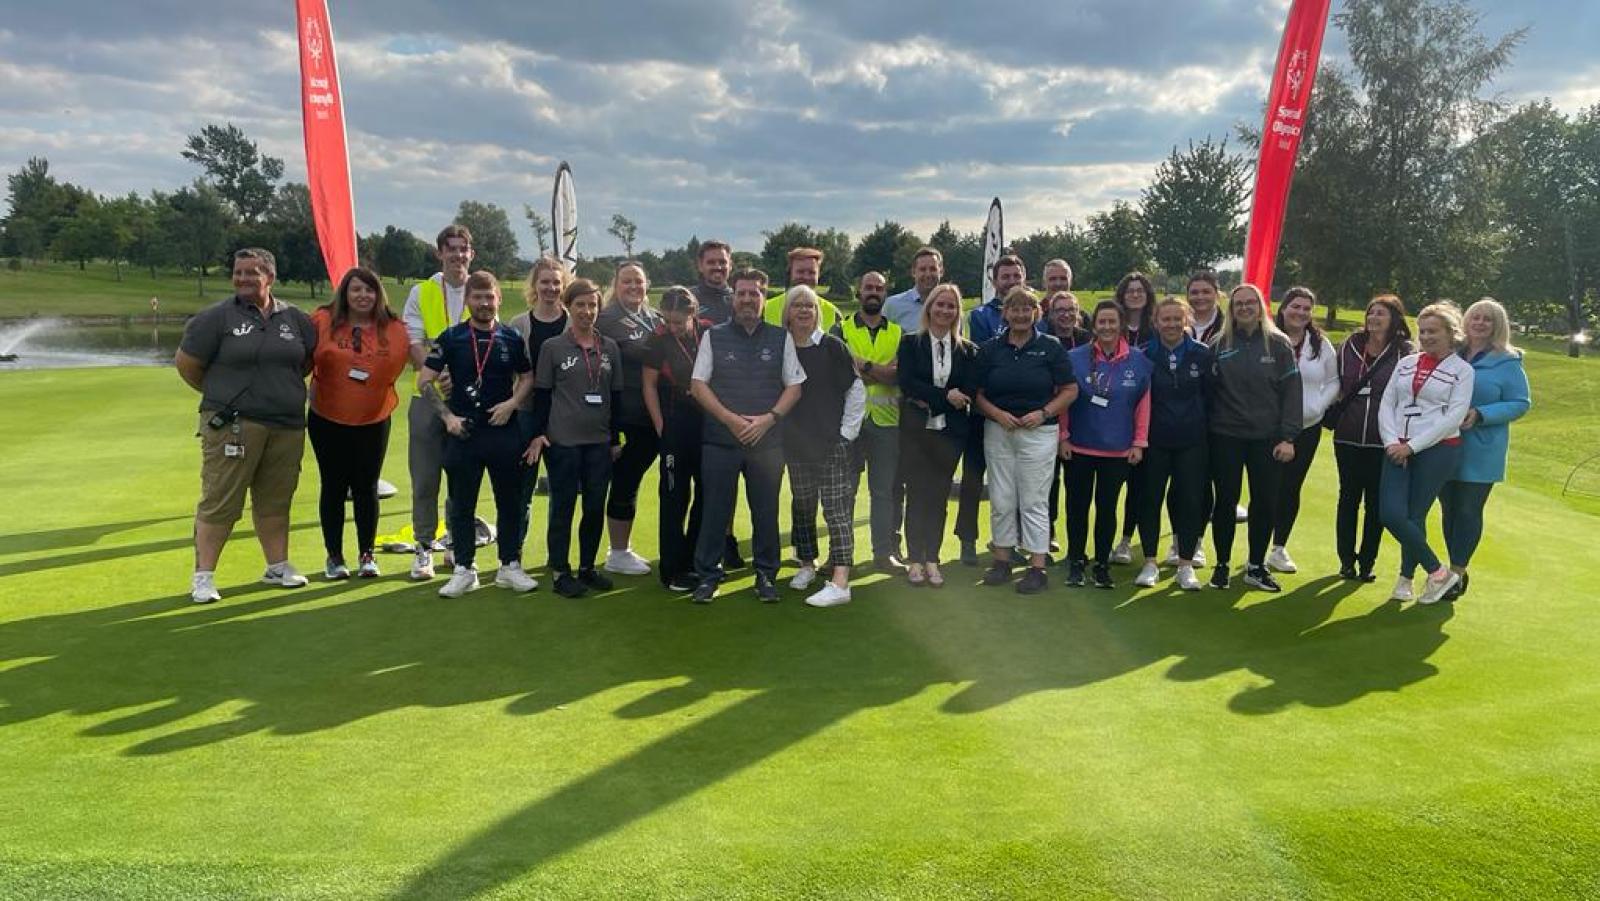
(776, 416)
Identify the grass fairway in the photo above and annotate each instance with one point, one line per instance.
(371, 740)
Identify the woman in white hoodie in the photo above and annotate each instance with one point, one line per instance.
(1319, 384)
(1420, 421)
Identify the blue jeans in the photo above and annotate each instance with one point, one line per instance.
(1406, 494)
(1462, 505)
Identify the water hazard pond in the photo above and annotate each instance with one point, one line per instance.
(60, 343)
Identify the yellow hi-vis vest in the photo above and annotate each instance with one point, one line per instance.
(883, 401)
(435, 312)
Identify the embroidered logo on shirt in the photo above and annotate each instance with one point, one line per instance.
(285, 332)
(239, 331)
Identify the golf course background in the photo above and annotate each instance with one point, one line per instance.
(370, 739)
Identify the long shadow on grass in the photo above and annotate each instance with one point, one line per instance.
(77, 536)
(155, 672)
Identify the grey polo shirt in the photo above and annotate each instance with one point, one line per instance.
(256, 364)
(571, 374)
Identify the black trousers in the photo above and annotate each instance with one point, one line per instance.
(1180, 476)
(349, 459)
(720, 467)
(682, 495)
(973, 466)
(577, 469)
(1058, 481)
(530, 476)
(1360, 473)
(494, 450)
(1133, 501)
(928, 465)
(640, 445)
(1231, 459)
(1093, 480)
(1294, 478)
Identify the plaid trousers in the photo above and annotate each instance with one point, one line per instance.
(832, 481)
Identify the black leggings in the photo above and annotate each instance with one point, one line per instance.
(1360, 473)
(1231, 458)
(1133, 501)
(1294, 478)
(1179, 475)
(577, 469)
(1096, 480)
(349, 459)
(640, 444)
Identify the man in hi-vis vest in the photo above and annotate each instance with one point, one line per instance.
(435, 304)
(874, 342)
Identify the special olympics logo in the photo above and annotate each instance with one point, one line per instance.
(1296, 75)
(314, 43)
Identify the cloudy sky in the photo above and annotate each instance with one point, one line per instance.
(708, 117)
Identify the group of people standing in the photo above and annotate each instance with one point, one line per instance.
(1137, 406)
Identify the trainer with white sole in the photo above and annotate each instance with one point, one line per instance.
(1174, 467)
(1319, 384)
(630, 321)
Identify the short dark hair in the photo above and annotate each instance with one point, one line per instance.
(708, 246)
(1122, 315)
(928, 252)
(453, 230)
(482, 280)
(676, 297)
(749, 275)
(1009, 259)
(578, 288)
(1203, 275)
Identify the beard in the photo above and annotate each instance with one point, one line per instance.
(872, 306)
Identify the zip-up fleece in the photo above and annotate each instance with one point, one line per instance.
(1255, 390)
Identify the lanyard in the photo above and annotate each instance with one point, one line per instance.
(594, 368)
(479, 363)
(686, 346)
(1102, 388)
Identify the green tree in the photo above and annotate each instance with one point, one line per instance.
(199, 225)
(1194, 207)
(836, 258)
(493, 242)
(401, 255)
(540, 226)
(39, 206)
(148, 246)
(82, 236)
(238, 170)
(625, 231)
(1064, 242)
(1116, 245)
(889, 249)
(963, 258)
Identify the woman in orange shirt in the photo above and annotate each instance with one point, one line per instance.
(362, 349)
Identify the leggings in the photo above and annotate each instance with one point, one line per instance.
(830, 480)
(349, 459)
(1094, 480)
(1133, 501)
(1294, 478)
(1360, 471)
(928, 463)
(1177, 474)
(639, 446)
(576, 469)
(1462, 505)
(1231, 458)
(1406, 494)
(679, 490)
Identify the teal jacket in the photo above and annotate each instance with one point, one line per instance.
(1500, 394)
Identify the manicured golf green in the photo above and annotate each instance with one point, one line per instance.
(371, 740)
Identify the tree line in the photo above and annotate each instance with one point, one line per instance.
(1411, 179)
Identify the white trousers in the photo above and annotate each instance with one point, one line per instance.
(1021, 464)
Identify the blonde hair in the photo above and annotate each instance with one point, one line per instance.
(1267, 326)
(1171, 300)
(960, 327)
(1447, 312)
(1017, 295)
(617, 276)
(1500, 338)
(530, 291)
(800, 291)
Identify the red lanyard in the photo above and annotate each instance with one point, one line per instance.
(480, 362)
(686, 346)
(595, 369)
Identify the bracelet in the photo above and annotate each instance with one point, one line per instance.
(776, 416)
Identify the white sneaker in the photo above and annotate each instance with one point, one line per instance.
(1123, 553)
(1241, 513)
(463, 580)
(1172, 555)
(203, 588)
(624, 562)
(512, 576)
(1434, 588)
(1187, 580)
(386, 490)
(1402, 590)
(803, 577)
(831, 595)
(1278, 559)
(1148, 575)
(1199, 556)
(422, 565)
(284, 575)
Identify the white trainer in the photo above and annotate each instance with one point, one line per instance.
(1278, 560)
(624, 562)
(1122, 553)
(1402, 590)
(803, 577)
(422, 565)
(512, 576)
(203, 589)
(1241, 513)
(831, 595)
(1435, 586)
(1199, 556)
(283, 575)
(1147, 575)
(1172, 555)
(1187, 580)
(463, 580)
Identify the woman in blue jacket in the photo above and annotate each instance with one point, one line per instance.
(1500, 395)
(1175, 463)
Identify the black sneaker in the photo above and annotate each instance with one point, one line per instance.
(731, 559)
(1348, 572)
(765, 590)
(705, 592)
(1219, 576)
(1033, 581)
(1102, 576)
(568, 586)
(682, 583)
(999, 573)
(1366, 574)
(1075, 573)
(1456, 590)
(1258, 577)
(594, 579)
(969, 553)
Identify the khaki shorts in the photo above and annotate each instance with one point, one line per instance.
(269, 469)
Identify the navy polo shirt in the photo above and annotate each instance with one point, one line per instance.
(460, 348)
(1022, 379)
